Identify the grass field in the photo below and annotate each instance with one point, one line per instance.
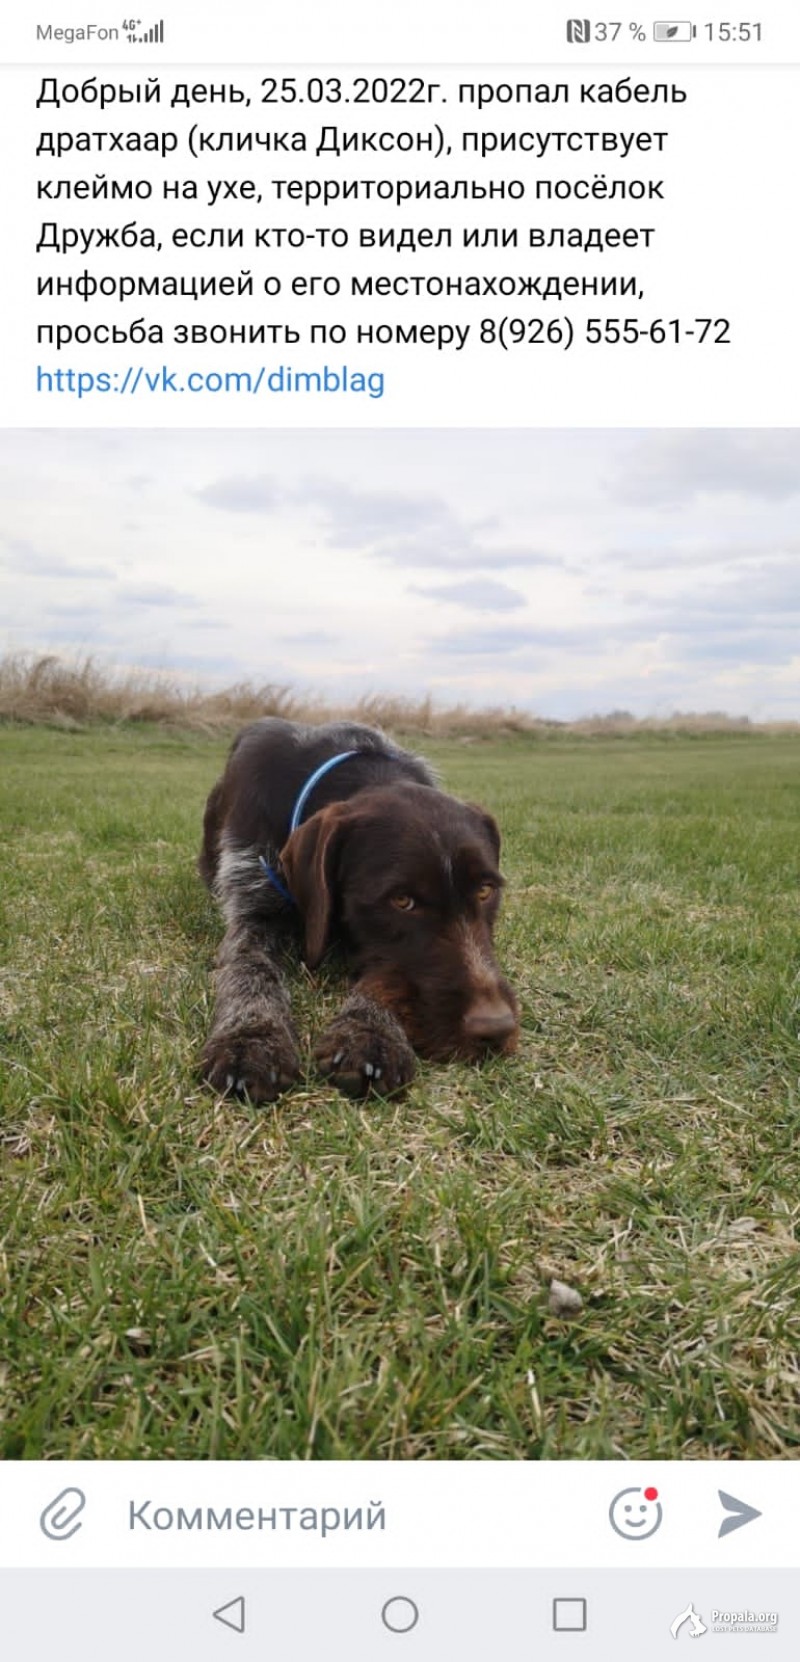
(186, 1278)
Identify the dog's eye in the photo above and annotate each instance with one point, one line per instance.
(403, 902)
(485, 892)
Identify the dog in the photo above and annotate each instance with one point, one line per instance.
(336, 834)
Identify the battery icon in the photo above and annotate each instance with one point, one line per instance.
(680, 32)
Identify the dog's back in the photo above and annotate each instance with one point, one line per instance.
(269, 763)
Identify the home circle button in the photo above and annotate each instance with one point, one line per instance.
(400, 1615)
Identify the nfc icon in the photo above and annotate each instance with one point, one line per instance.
(579, 29)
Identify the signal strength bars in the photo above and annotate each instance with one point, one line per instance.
(152, 37)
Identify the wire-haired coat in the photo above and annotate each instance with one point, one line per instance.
(381, 860)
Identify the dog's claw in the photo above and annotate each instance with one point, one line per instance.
(257, 1065)
(373, 1058)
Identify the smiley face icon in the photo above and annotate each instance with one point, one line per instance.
(636, 1514)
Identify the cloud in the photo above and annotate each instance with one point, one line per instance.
(83, 613)
(156, 594)
(764, 594)
(32, 562)
(403, 528)
(237, 495)
(772, 587)
(499, 642)
(204, 623)
(66, 635)
(560, 569)
(674, 468)
(666, 556)
(361, 518)
(742, 647)
(308, 637)
(480, 594)
(462, 553)
(407, 529)
(745, 620)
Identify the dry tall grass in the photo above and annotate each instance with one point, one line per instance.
(45, 690)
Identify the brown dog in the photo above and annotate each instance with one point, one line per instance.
(336, 830)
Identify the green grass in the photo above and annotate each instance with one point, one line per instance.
(187, 1278)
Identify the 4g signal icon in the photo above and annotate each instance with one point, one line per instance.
(151, 37)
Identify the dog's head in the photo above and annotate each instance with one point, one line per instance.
(408, 878)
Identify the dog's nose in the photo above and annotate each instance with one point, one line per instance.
(489, 1018)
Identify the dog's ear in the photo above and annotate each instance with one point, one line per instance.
(309, 862)
(488, 825)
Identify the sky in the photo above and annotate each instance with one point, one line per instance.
(568, 573)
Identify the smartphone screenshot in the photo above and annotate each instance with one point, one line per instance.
(400, 814)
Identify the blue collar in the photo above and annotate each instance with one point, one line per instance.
(297, 815)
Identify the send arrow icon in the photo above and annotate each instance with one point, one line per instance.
(231, 1615)
(740, 1512)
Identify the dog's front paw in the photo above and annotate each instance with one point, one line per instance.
(362, 1052)
(257, 1064)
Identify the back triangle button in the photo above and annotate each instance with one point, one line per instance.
(231, 1615)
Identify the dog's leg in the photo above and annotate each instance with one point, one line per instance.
(252, 1047)
(365, 1048)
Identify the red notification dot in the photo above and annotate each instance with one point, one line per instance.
(651, 1494)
